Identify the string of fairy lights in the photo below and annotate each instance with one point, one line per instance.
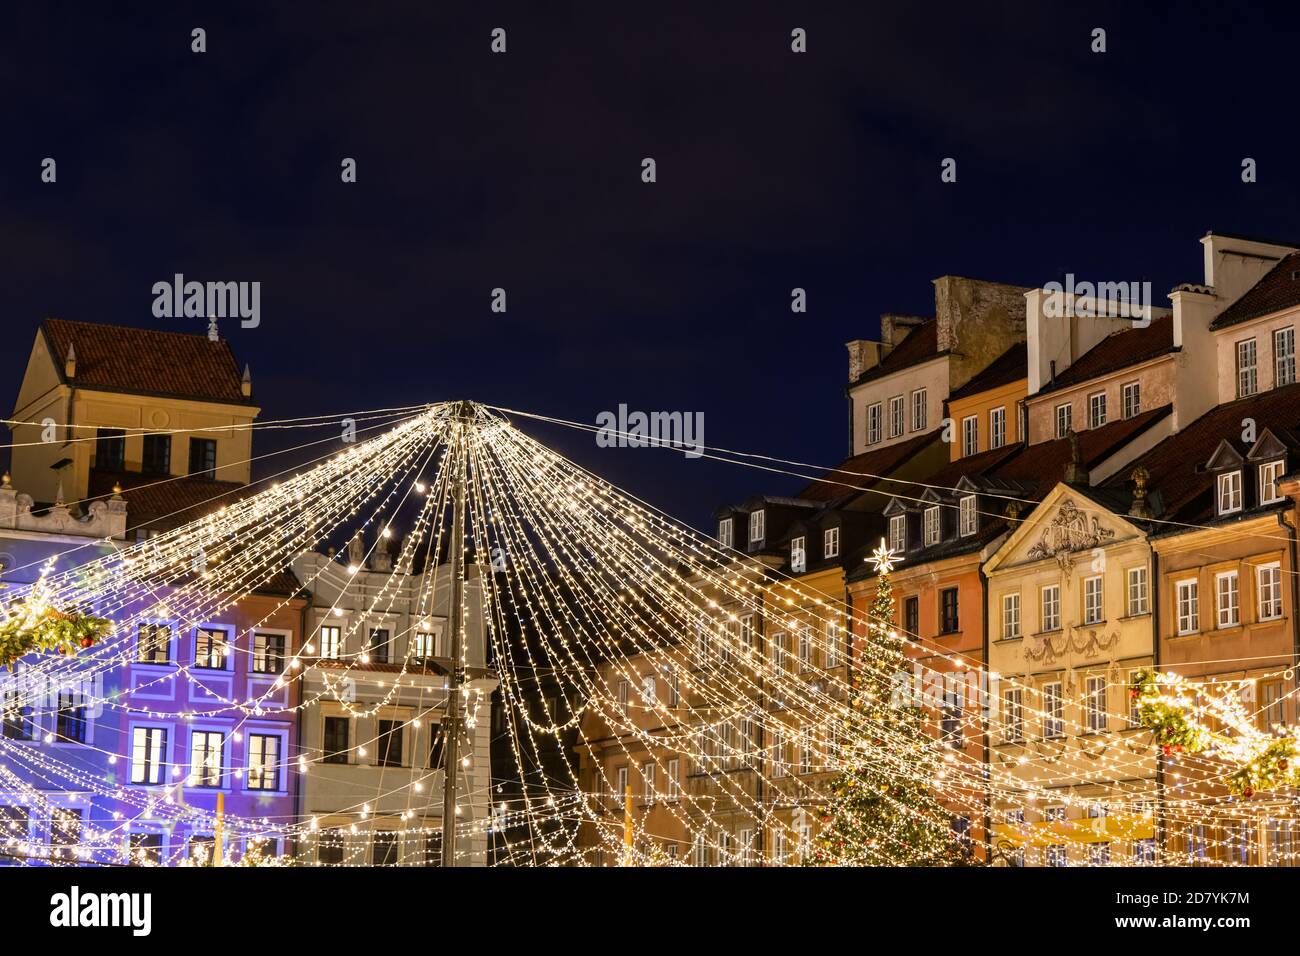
(628, 652)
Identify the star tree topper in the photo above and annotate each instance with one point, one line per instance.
(882, 559)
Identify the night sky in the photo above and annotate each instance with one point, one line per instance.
(522, 171)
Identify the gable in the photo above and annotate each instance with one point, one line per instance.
(1224, 457)
(40, 378)
(1067, 523)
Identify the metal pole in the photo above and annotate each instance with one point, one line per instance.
(456, 613)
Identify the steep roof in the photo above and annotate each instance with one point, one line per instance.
(161, 503)
(1011, 366)
(146, 361)
(919, 345)
(1278, 289)
(857, 472)
(1118, 350)
(1045, 463)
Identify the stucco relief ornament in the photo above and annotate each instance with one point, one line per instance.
(1070, 531)
(1043, 648)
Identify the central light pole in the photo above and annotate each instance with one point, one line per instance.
(456, 614)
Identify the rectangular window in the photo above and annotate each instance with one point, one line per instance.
(757, 524)
(968, 515)
(203, 458)
(1051, 608)
(1097, 410)
(1247, 382)
(1063, 414)
(649, 690)
(1053, 710)
(1056, 855)
(648, 783)
(157, 456)
(948, 620)
(1095, 704)
(70, 718)
(873, 423)
(674, 778)
(1099, 854)
(1228, 604)
(1268, 585)
(437, 744)
(951, 720)
(207, 752)
(918, 410)
(1132, 399)
(620, 798)
(148, 755)
(335, 745)
(1134, 701)
(17, 716)
(331, 642)
(389, 743)
(997, 427)
(1272, 699)
(1269, 473)
(1229, 492)
(1283, 357)
(931, 526)
(1011, 615)
(832, 638)
(798, 555)
(263, 762)
(110, 449)
(831, 543)
(153, 643)
(898, 533)
(211, 648)
(1144, 852)
(912, 617)
(329, 848)
(674, 690)
(144, 849)
(1013, 716)
(1139, 601)
(805, 648)
(385, 848)
(268, 653)
(970, 435)
(724, 532)
(624, 695)
(896, 416)
(778, 650)
(65, 828)
(1093, 609)
(1189, 610)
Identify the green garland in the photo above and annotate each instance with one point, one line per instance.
(49, 630)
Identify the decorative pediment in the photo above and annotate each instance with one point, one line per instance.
(1070, 530)
(1225, 458)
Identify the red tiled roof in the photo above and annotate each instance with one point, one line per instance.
(1011, 366)
(1279, 289)
(1119, 350)
(920, 345)
(855, 473)
(164, 503)
(146, 361)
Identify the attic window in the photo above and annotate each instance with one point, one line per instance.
(1269, 474)
(756, 525)
(898, 533)
(798, 555)
(931, 525)
(724, 533)
(831, 543)
(1229, 492)
(969, 517)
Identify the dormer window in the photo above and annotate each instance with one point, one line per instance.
(898, 533)
(724, 533)
(756, 525)
(967, 515)
(1269, 473)
(1229, 492)
(798, 555)
(931, 535)
(831, 543)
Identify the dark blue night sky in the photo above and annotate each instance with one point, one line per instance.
(522, 171)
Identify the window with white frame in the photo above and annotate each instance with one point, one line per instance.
(207, 750)
(1053, 710)
(798, 555)
(968, 515)
(148, 755)
(1097, 410)
(931, 525)
(1228, 599)
(873, 423)
(896, 416)
(1134, 699)
(331, 641)
(831, 543)
(997, 427)
(621, 796)
(648, 783)
(724, 533)
(674, 778)
(1269, 474)
(674, 689)
(624, 694)
(747, 633)
(757, 524)
(805, 648)
(1093, 611)
(1051, 608)
(1013, 715)
(1095, 704)
(832, 645)
(1139, 600)
(778, 752)
(918, 410)
(1268, 585)
(1189, 606)
(778, 650)
(649, 690)
(1229, 492)
(1131, 399)
(1011, 615)
(970, 435)
(1283, 356)
(1247, 375)
(264, 761)
(898, 533)
(1063, 415)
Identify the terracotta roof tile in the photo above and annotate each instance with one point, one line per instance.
(1278, 289)
(1119, 350)
(147, 361)
(854, 473)
(920, 345)
(1011, 366)
(162, 504)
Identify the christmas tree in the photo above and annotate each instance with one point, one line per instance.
(881, 813)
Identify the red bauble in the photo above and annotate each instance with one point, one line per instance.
(87, 641)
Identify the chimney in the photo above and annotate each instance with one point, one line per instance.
(864, 355)
(70, 362)
(246, 384)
